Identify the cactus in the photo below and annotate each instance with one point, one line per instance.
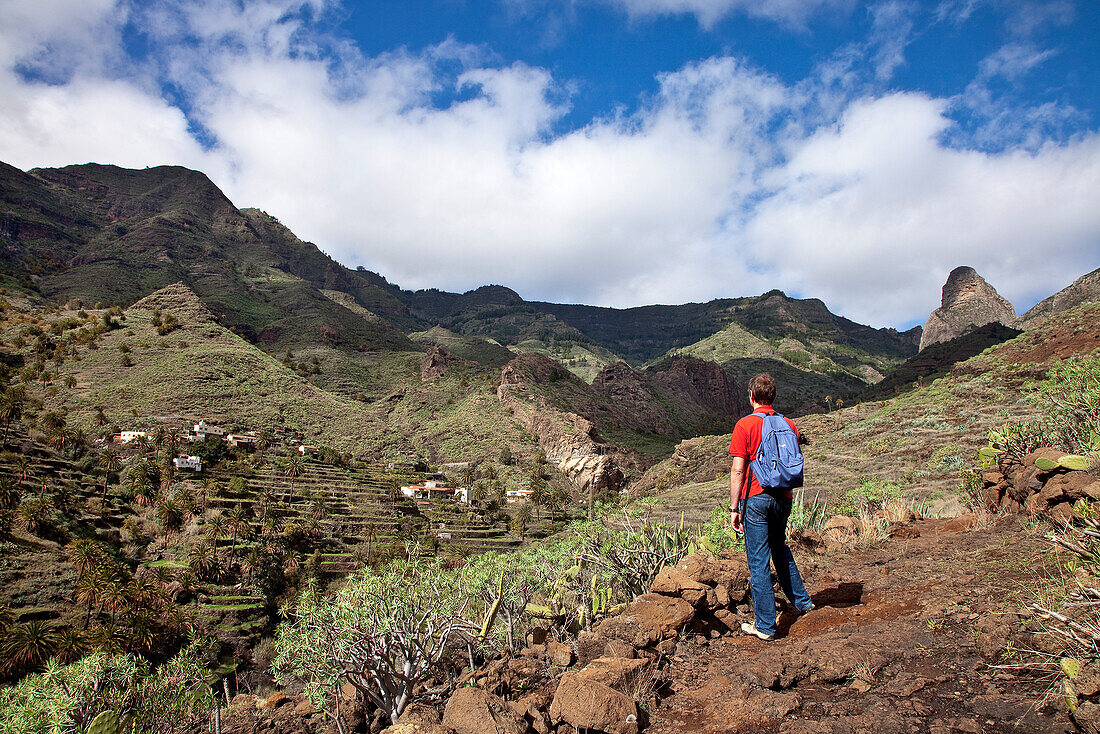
(1071, 667)
(491, 615)
(1045, 464)
(1074, 462)
(106, 723)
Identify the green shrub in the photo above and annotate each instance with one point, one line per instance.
(1070, 398)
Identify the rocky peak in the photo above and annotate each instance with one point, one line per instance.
(968, 302)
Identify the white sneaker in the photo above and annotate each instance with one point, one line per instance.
(750, 629)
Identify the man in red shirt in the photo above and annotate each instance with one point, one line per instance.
(764, 521)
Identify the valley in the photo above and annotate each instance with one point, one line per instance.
(220, 445)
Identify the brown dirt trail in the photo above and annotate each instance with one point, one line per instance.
(904, 639)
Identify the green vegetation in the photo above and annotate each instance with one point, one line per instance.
(386, 631)
(70, 699)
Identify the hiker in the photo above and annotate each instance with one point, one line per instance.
(767, 464)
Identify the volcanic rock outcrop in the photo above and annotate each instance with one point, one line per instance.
(968, 302)
(569, 440)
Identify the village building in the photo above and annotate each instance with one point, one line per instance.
(190, 463)
(203, 429)
(128, 436)
(433, 491)
(241, 439)
(305, 450)
(515, 495)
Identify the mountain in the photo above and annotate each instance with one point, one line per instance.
(647, 377)
(938, 359)
(967, 302)
(1083, 290)
(112, 235)
(815, 352)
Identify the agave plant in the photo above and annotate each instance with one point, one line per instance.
(27, 646)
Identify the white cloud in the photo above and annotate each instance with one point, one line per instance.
(891, 32)
(871, 215)
(792, 12)
(443, 168)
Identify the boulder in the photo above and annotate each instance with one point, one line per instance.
(673, 582)
(474, 711)
(992, 478)
(622, 674)
(729, 569)
(434, 364)
(1043, 453)
(647, 620)
(1062, 513)
(591, 646)
(591, 706)
(961, 523)
(1072, 485)
(841, 530)
(806, 540)
(418, 718)
(559, 654)
(275, 700)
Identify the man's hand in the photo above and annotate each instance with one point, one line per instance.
(736, 522)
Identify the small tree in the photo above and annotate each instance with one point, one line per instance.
(384, 633)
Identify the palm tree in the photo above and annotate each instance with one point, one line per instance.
(560, 499)
(202, 560)
(238, 523)
(469, 475)
(217, 526)
(23, 466)
(11, 407)
(110, 463)
(72, 644)
(168, 514)
(293, 466)
(263, 443)
(539, 495)
(522, 518)
(210, 486)
(393, 491)
(370, 530)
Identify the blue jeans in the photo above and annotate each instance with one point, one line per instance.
(765, 521)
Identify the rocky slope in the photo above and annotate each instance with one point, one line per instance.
(909, 635)
(968, 302)
(1083, 290)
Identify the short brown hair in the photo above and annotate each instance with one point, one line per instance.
(762, 388)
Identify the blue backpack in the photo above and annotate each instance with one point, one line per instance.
(778, 462)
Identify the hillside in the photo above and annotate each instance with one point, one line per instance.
(111, 235)
(916, 445)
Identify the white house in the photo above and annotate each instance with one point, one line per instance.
(432, 490)
(191, 463)
(128, 436)
(202, 430)
(306, 449)
(515, 495)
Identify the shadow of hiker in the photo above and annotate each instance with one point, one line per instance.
(843, 595)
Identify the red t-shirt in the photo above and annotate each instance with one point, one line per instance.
(746, 440)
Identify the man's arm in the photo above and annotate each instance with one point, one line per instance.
(737, 481)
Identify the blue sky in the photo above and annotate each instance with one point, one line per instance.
(614, 152)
